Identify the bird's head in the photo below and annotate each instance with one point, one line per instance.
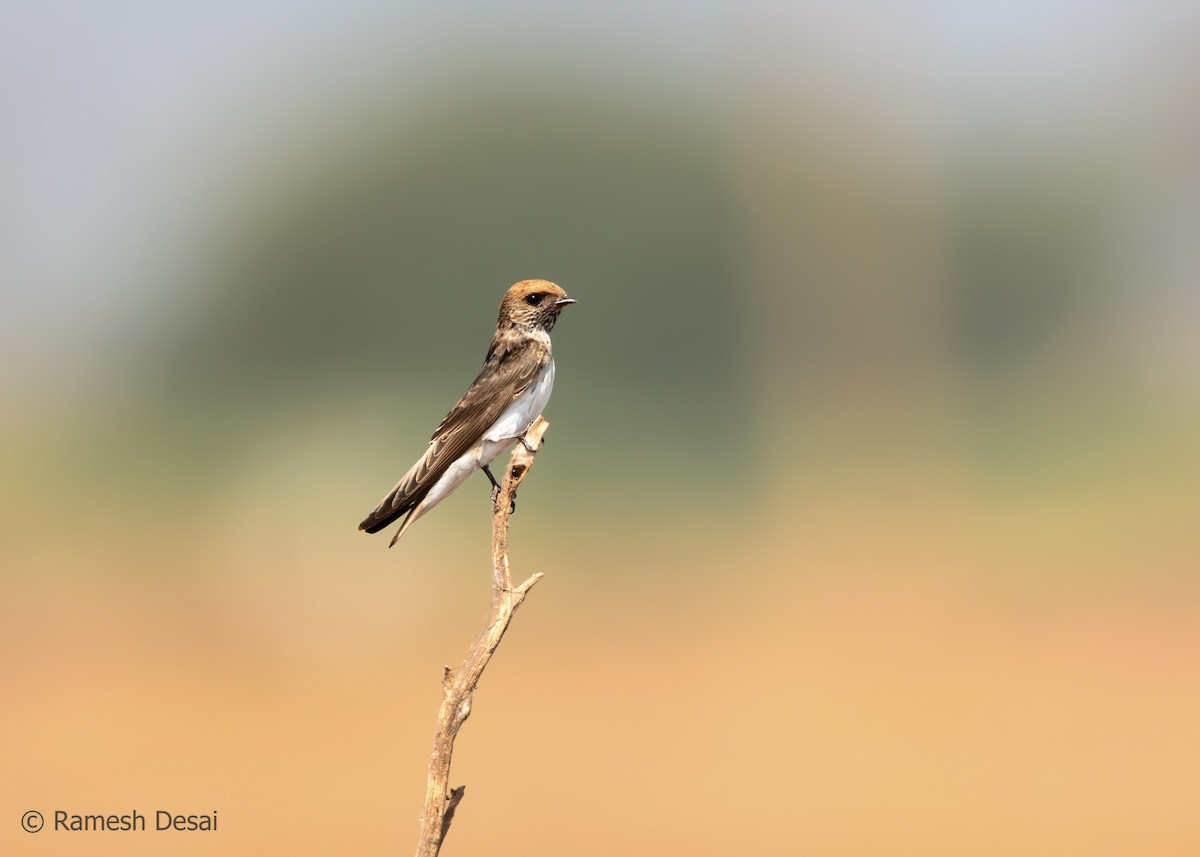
(533, 305)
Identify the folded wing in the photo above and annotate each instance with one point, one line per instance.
(509, 369)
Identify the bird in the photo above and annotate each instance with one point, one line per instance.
(507, 397)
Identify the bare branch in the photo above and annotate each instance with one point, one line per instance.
(458, 686)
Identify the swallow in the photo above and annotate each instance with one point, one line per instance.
(509, 395)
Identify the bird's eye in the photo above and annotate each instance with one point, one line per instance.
(534, 299)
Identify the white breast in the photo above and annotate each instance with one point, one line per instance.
(520, 415)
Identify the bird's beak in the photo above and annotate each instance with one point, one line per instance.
(565, 301)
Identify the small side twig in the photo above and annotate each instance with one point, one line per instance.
(458, 686)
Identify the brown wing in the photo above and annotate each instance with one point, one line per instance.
(510, 367)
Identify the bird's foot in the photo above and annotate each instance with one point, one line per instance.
(512, 502)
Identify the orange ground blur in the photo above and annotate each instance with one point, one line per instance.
(753, 712)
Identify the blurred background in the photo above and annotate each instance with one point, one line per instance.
(868, 511)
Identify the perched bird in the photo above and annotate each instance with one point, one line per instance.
(509, 395)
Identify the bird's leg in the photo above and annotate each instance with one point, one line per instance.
(496, 490)
(525, 443)
(495, 484)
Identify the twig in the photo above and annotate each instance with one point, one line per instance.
(458, 686)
